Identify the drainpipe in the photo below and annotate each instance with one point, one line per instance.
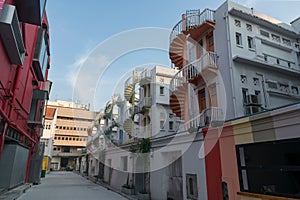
(230, 64)
(267, 102)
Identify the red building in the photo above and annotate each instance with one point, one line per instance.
(24, 85)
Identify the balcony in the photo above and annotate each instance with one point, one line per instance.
(201, 67)
(11, 34)
(205, 68)
(145, 77)
(144, 104)
(31, 11)
(194, 25)
(213, 117)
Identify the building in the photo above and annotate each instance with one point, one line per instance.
(48, 137)
(71, 134)
(25, 61)
(234, 98)
(237, 61)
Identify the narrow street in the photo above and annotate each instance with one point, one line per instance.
(68, 185)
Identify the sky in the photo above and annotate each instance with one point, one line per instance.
(95, 44)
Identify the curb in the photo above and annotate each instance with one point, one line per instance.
(15, 193)
(129, 197)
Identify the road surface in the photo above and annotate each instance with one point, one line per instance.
(68, 186)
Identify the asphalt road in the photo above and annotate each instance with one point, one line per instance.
(68, 186)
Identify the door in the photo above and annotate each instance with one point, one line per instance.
(175, 191)
(202, 100)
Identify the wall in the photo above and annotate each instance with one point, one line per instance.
(12, 165)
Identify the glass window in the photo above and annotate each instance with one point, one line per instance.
(161, 90)
(238, 39)
(171, 125)
(270, 168)
(250, 42)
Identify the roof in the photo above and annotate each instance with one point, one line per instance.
(50, 112)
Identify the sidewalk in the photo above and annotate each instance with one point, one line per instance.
(15, 193)
(94, 180)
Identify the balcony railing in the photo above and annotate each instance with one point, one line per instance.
(147, 101)
(146, 74)
(191, 22)
(193, 69)
(212, 116)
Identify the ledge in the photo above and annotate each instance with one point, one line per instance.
(263, 196)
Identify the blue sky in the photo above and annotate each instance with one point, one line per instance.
(78, 28)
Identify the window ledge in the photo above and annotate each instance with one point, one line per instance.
(240, 46)
(263, 196)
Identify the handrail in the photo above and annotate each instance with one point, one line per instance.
(206, 117)
(209, 59)
(192, 21)
(146, 101)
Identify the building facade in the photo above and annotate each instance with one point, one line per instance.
(48, 137)
(234, 103)
(71, 134)
(25, 61)
(235, 62)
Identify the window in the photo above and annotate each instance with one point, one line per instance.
(238, 39)
(245, 93)
(124, 161)
(264, 33)
(270, 168)
(249, 27)
(192, 190)
(161, 90)
(250, 42)
(286, 42)
(41, 54)
(275, 38)
(171, 125)
(277, 61)
(162, 123)
(237, 23)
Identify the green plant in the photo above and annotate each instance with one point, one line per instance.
(133, 148)
(145, 145)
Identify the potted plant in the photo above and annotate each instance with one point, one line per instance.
(128, 189)
(143, 195)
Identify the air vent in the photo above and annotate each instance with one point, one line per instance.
(11, 34)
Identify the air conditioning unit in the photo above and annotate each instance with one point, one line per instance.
(252, 99)
(249, 110)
